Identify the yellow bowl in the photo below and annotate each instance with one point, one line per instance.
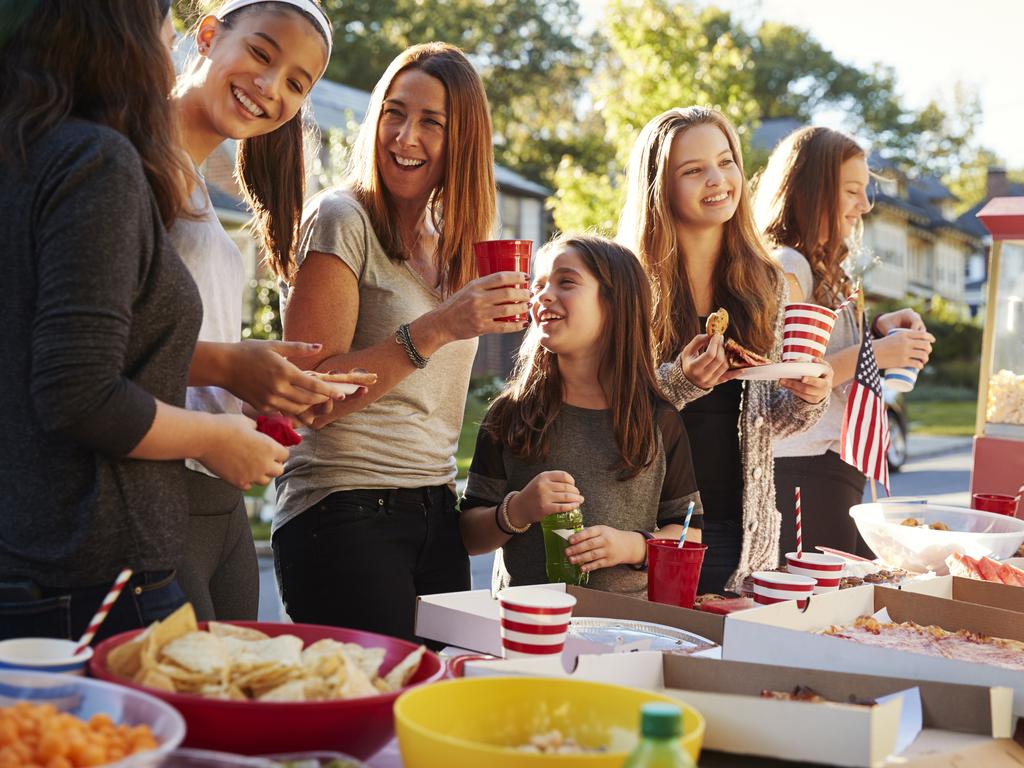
(479, 722)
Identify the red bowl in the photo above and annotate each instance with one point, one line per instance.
(359, 727)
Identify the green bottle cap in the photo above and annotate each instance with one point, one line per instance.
(661, 721)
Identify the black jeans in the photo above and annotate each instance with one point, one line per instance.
(828, 488)
(28, 610)
(725, 543)
(359, 559)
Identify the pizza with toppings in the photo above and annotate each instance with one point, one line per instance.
(962, 645)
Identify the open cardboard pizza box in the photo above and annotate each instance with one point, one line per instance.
(1009, 598)
(742, 722)
(785, 634)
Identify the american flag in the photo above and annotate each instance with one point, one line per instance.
(865, 432)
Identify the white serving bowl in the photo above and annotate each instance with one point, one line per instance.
(921, 549)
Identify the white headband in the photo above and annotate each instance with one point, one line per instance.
(303, 5)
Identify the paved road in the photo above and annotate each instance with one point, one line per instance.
(942, 473)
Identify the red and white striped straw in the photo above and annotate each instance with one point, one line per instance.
(799, 537)
(849, 299)
(105, 606)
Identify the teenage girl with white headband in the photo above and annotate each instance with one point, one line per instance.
(256, 63)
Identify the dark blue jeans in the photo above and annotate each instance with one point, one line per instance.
(28, 610)
(358, 559)
(725, 542)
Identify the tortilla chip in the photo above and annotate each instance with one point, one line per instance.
(283, 650)
(222, 630)
(126, 659)
(199, 652)
(356, 683)
(403, 671)
(294, 690)
(152, 678)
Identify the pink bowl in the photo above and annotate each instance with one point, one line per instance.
(359, 727)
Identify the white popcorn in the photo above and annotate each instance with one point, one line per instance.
(1006, 398)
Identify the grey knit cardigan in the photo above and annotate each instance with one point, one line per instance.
(767, 412)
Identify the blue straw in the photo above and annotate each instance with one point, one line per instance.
(686, 525)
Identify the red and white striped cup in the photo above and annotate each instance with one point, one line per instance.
(778, 586)
(806, 331)
(534, 621)
(826, 570)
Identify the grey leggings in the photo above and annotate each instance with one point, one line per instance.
(220, 575)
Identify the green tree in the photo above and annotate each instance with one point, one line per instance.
(659, 55)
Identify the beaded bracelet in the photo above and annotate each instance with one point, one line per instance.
(404, 338)
(508, 521)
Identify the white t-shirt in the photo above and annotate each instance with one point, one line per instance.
(216, 265)
(407, 438)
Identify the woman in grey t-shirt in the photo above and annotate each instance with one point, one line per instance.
(811, 200)
(384, 278)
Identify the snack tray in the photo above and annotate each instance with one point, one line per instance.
(637, 635)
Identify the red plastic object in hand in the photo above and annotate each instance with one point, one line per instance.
(280, 428)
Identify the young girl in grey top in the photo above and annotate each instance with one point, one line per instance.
(581, 423)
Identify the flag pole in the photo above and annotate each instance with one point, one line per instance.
(874, 491)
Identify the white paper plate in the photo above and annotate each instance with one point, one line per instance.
(774, 371)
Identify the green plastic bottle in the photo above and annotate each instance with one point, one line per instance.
(557, 528)
(661, 726)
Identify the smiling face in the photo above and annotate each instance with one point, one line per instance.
(853, 197)
(255, 71)
(412, 136)
(567, 306)
(703, 181)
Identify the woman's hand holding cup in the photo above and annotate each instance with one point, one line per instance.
(909, 349)
(474, 310)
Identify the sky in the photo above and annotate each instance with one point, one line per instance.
(929, 43)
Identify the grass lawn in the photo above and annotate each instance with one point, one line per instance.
(947, 418)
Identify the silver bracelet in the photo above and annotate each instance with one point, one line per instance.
(404, 337)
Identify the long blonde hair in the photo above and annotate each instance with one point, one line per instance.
(462, 208)
(745, 281)
(798, 195)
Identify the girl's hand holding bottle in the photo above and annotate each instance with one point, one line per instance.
(548, 493)
(601, 546)
(703, 360)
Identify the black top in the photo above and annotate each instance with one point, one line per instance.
(100, 318)
(712, 424)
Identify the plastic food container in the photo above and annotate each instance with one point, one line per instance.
(480, 722)
(202, 758)
(358, 727)
(921, 549)
(84, 698)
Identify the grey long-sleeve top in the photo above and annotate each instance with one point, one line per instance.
(100, 318)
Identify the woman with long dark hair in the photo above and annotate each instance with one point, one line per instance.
(100, 322)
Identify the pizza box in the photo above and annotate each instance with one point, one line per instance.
(785, 634)
(741, 722)
(1005, 596)
(469, 620)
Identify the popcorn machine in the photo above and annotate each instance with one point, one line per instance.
(999, 432)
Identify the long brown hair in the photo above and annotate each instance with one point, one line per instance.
(100, 61)
(271, 168)
(462, 207)
(522, 416)
(797, 203)
(745, 280)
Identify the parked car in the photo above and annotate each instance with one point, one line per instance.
(896, 408)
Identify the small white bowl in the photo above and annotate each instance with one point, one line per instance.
(44, 654)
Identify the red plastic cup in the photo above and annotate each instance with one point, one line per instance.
(504, 256)
(995, 502)
(673, 572)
